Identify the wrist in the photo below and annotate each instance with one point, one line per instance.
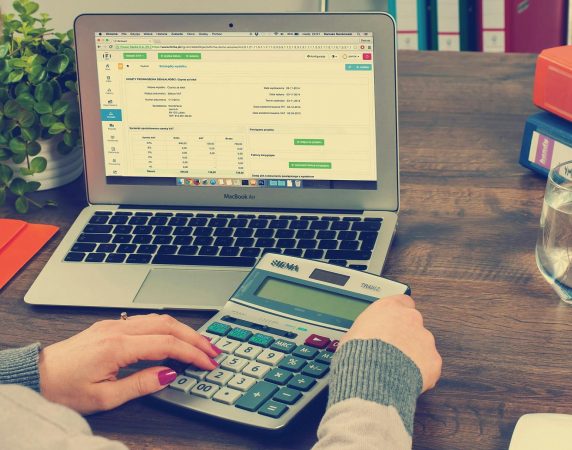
(20, 366)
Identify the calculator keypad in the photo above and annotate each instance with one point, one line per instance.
(257, 372)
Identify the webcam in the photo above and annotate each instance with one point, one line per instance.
(230, 25)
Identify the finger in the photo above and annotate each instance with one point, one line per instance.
(158, 347)
(165, 324)
(111, 394)
(401, 299)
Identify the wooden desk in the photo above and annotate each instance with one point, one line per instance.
(469, 217)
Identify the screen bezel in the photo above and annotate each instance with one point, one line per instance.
(385, 197)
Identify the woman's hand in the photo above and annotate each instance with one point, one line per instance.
(81, 372)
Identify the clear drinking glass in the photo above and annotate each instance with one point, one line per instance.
(554, 243)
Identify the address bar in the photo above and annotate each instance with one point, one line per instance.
(329, 47)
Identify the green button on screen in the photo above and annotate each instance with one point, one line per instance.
(135, 55)
(309, 165)
(179, 55)
(308, 141)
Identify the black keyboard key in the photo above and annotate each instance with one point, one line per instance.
(118, 220)
(209, 250)
(203, 231)
(331, 218)
(264, 233)
(320, 225)
(163, 214)
(305, 234)
(205, 215)
(223, 232)
(229, 251)
(328, 244)
(147, 249)
(267, 216)
(198, 222)
(306, 243)
(349, 245)
(367, 246)
(162, 230)
(217, 223)
(286, 243)
(167, 249)
(138, 220)
(203, 240)
(100, 220)
(314, 254)
(237, 223)
(115, 258)
(123, 229)
(338, 262)
(142, 239)
(357, 255)
(285, 234)
(265, 242)
(309, 218)
(106, 248)
(102, 213)
(123, 213)
(299, 224)
(182, 231)
(158, 220)
(373, 219)
(94, 238)
(358, 267)
(288, 217)
(370, 236)
(326, 234)
(278, 223)
(244, 242)
(224, 241)
(188, 250)
(162, 240)
(182, 214)
(293, 251)
(352, 219)
(258, 223)
(243, 232)
(366, 226)
(144, 213)
(137, 258)
(225, 216)
(182, 240)
(126, 248)
(231, 261)
(122, 238)
(246, 216)
(95, 257)
(83, 247)
(340, 225)
(142, 229)
(254, 252)
(178, 221)
(74, 256)
(347, 235)
(277, 251)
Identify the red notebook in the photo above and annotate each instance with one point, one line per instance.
(523, 26)
(553, 81)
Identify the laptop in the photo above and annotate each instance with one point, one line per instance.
(212, 139)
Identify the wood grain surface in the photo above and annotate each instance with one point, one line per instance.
(465, 243)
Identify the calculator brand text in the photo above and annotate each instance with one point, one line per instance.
(371, 287)
(285, 265)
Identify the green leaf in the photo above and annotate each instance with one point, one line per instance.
(4, 48)
(2, 196)
(57, 63)
(49, 47)
(43, 107)
(19, 62)
(19, 7)
(60, 107)
(47, 120)
(22, 88)
(37, 74)
(22, 205)
(25, 172)
(33, 148)
(71, 120)
(38, 164)
(71, 85)
(15, 76)
(5, 174)
(27, 118)
(32, 186)
(5, 154)
(11, 109)
(31, 8)
(18, 158)
(26, 101)
(71, 138)
(18, 186)
(29, 134)
(70, 35)
(17, 145)
(56, 128)
(56, 89)
(44, 92)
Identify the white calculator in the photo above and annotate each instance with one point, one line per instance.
(278, 333)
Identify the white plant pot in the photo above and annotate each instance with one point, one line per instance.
(60, 170)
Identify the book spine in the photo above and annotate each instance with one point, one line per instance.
(551, 83)
(448, 25)
(405, 13)
(468, 25)
(422, 20)
(493, 26)
(433, 43)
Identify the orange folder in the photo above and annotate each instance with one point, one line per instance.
(19, 241)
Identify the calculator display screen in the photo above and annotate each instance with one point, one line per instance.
(311, 298)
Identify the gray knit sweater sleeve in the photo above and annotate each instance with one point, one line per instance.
(20, 366)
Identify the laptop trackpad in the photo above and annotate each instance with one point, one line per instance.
(189, 288)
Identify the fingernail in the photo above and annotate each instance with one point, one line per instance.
(217, 350)
(214, 363)
(207, 338)
(166, 376)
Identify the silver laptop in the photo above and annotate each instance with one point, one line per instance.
(210, 140)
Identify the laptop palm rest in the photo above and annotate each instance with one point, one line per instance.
(189, 288)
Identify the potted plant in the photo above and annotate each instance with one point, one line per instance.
(39, 114)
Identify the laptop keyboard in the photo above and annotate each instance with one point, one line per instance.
(221, 239)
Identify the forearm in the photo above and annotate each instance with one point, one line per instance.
(20, 366)
(373, 392)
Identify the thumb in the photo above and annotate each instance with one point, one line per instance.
(138, 384)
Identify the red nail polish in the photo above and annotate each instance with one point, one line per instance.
(166, 376)
(217, 350)
(213, 362)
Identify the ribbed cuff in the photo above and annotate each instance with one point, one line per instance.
(377, 371)
(20, 366)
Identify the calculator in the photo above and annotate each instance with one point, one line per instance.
(278, 333)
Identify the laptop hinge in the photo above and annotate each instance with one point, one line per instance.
(223, 208)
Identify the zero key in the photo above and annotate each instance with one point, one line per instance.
(315, 340)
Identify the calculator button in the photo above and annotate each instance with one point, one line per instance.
(194, 372)
(218, 328)
(220, 377)
(315, 369)
(292, 363)
(333, 346)
(270, 357)
(305, 352)
(279, 376)
(256, 396)
(205, 390)
(256, 370)
(227, 346)
(288, 396)
(227, 396)
(183, 383)
(241, 382)
(234, 363)
(213, 338)
(261, 339)
(273, 409)
(325, 357)
(315, 340)
(283, 346)
(301, 382)
(248, 351)
(220, 358)
(239, 334)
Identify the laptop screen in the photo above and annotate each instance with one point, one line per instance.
(293, 110)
